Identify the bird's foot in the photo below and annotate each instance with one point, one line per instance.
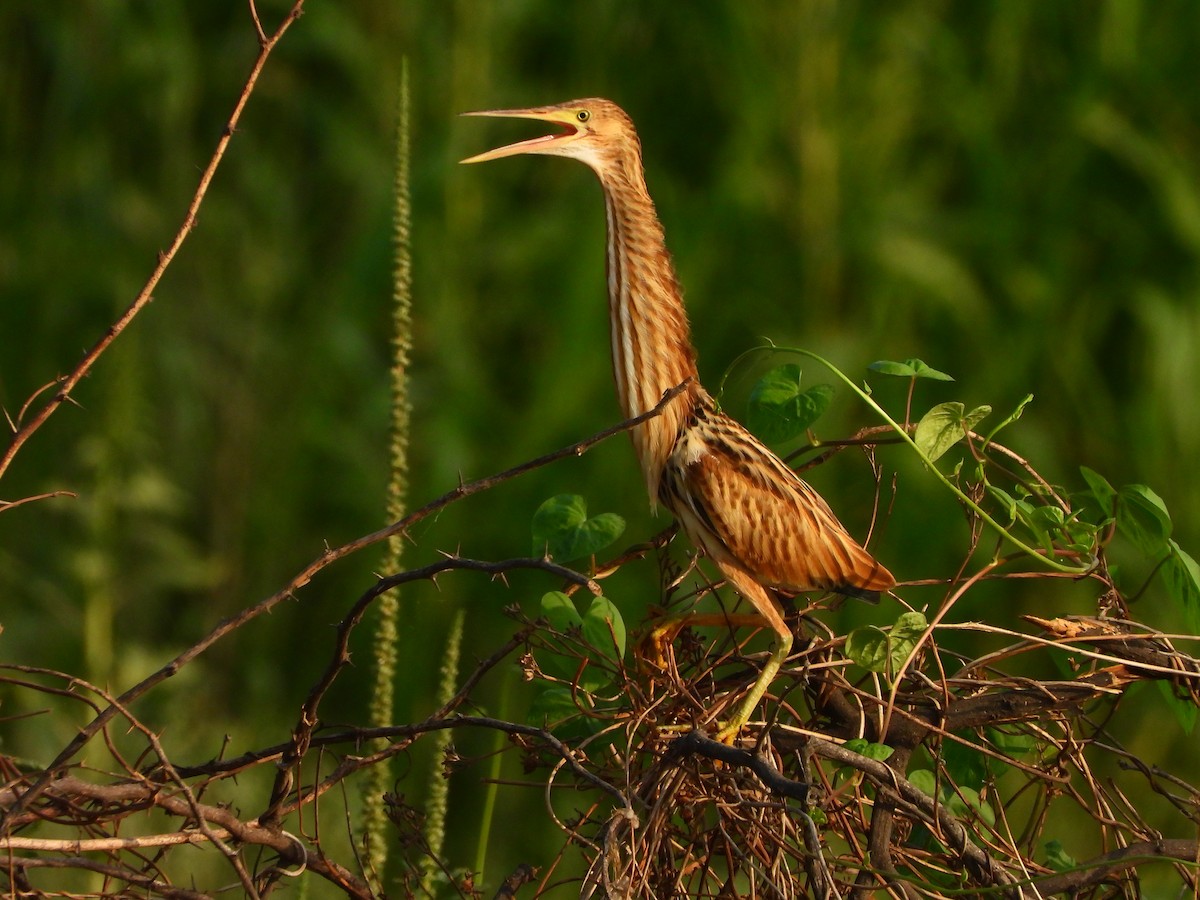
(730, 732)
(652, 649)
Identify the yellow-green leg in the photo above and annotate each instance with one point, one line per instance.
(729, 731)
(769, 613)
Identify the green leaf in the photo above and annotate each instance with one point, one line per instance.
(910, 368)
(559, 610)
(1006, 500)
(945, 425)
(904, 636)
(1057, 858)
(563, 531)
(923, 781)
(1042, 521)
(1185, 711)
(863, 747)
(877, 751)
(891, 367)
(1048, 516)
(1143, 518)
(1182, 574)
(965, 803)
(1082, 537)
(604, 629)
(1011, 744)
(856, 745)
(909, 625)
(553, 704)
(779, 410)
(965, 765)
(868, 646)
(877, 650)
(1104, 492)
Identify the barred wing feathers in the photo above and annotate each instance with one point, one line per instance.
(745, 506)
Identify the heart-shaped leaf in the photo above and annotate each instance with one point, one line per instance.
(604, 629)
(868, 646)
(779, 410)
(910, 368)
(945, 425)
(863, 747)
(903, 636)
(559, 610)
(563, 531)
(1103, 492)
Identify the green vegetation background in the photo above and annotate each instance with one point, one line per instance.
(1008, 190)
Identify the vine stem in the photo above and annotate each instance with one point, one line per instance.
(904, 435)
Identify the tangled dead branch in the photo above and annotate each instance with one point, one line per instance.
(921, 781)
(921, 771)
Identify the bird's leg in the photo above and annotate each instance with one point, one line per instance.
(768, 606)
(783, 646)
(652, 648)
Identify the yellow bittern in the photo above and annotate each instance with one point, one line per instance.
(768, 532)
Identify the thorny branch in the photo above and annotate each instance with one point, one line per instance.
(24, 430)
(852, 784)
(327, 558)
(796, 782)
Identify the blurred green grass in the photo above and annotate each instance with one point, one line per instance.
(1007, 190)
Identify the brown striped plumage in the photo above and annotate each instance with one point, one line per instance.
(764, 527)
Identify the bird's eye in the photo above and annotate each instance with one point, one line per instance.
(583, 115)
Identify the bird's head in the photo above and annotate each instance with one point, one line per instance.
(594, 131)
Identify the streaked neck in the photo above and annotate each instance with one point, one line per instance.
(651, 344)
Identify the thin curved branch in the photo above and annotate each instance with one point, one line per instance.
(308, 720)
(68, 383)
(327, 558)
(698, 743)
(139, 795)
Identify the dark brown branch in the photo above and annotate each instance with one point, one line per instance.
(231, 624)
(699, 744)
(1148, 654)
(1096, 870)
(881, 832)
(521, 876)
(307, 723)
(956, 836)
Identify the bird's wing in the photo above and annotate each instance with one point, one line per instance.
(741, 503)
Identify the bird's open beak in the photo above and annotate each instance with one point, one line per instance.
(546, 144)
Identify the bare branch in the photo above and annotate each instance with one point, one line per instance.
(65, 385)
